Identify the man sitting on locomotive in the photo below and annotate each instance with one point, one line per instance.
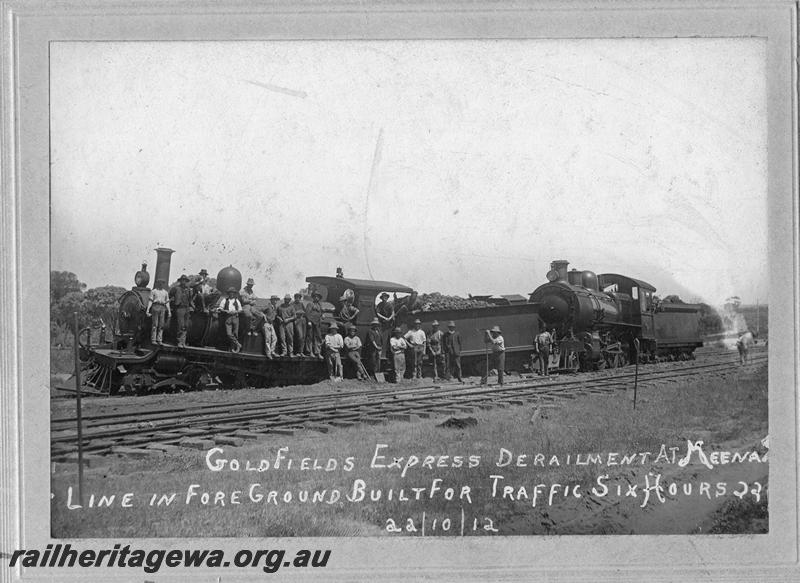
(232, 307)
(498, 360)
(333, 346)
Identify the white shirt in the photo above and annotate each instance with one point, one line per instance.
(334, 342)
(398, 344)
(415, 337)
(498, 344)
(159, 296)
(352, 342)
(230, 305)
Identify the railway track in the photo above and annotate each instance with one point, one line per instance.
(145, 433)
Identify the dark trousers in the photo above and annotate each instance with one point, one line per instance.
(455, 366)
(183, 320)
(313, 339)
(300, 336)
(544, 361)
(497, 360)
(373, 362)
(232, 329)
(286, 336)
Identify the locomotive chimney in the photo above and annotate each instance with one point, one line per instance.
(163, 259)
(560, 266)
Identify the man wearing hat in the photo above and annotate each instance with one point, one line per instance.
(285, 322)
(352, 347)
(157, 309)
(417, 341)
(452, 351)
(398, 346)
(384, 311)
(299, 325)
(347, 312)
(543, 342)
(181, 298)
(270, 338)
(231, 307)
(372, 345)
(436, 350)
(333, 346)
(248, 299)
(314, 319)
(494, 338)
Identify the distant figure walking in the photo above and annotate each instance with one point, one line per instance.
(744, 343)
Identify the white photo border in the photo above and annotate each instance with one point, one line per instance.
(28, 28)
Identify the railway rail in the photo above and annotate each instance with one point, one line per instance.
(140, 434)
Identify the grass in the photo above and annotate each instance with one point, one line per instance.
(730, 408)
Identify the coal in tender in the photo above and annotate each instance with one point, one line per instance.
(458, 422)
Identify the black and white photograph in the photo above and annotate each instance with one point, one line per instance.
(394, 288)
(446, 292)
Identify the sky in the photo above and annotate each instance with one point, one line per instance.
(451, 166)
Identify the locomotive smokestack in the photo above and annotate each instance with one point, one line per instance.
(560, 267)
(163, 259)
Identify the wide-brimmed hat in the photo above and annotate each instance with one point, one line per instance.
(384, 295)
(417, 321)
(333, 326)
(495, 329)
(203, 271)
(274, 297)
(396, 330)
(435, 323)
(451, 324)
(159, 281)
(316, 294)
(231, 289)
(287, 297)
(250, 281)
(183, 277)
(298, 295)
(351, 327)
(375, 322)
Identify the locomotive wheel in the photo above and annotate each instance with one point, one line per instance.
(198, 377)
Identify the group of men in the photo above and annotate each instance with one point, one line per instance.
(443, 347)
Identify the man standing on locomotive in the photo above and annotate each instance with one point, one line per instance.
(248, 299)
(452, 350)
(417, 341)
(231, 307)
(384, 311)
(270, 338)
(543, 342)
(333, 346)
(498, 361)
(157, 308)
(436, 350)
(285, 321)
(299, 325)
(313, 332)
(181, 298)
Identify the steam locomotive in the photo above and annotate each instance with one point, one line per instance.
(598, 322)
(610, 319)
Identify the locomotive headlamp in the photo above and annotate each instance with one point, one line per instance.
(552, 275)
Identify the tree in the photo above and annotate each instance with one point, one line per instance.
(62, 283)
(102, 303)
